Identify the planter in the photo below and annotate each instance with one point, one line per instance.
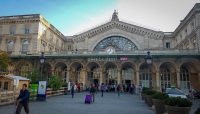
(142, 95)
(159, 106)
(145, 98)
(149, 100)
(177, 110)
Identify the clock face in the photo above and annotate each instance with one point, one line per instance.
(110, 50)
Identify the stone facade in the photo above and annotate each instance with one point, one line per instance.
(112, 53)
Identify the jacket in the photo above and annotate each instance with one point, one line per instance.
(24, 96)
(93, 89)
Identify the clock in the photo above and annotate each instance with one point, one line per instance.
(109, 50)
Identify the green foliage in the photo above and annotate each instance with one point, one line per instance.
(197, 111)
(178, 101)
(55, 83)
(64, 84)
(159, 95)
(4, 61)
(34, 76)
(144, 90)
(150, 92)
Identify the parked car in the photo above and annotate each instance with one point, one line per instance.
(175, 92)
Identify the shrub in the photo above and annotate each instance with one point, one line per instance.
(55, 83)
(150, 92)
(197, 111)
(178, 101)
(159, 95)
(64, 84)
(144, 90)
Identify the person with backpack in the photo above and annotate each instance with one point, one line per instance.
(102, 89)
(93, 91)
(118, 90)
(23, 100)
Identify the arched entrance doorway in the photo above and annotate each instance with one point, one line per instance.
(93, 73)
(166, 76)
(61, 71)
(77, 74)
(111, 73)
(127, 73)
(145, 76)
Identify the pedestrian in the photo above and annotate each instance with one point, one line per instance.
(23, 100)
(140, 88)
(102, 89)
(93, 91)
(133, 89)
(192, 92)
(118, 90)
(72, 90)
(79, 87)
(123, 87)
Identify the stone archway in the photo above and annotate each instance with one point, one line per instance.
(111, 73)
(167, 76)
(147, 75)
(77, 74)
(93, 74)
(60, 70)
(23, 68)
(128, 73)
(189, 76)
(46, 74)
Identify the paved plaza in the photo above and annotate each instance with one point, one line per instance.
(109, 104)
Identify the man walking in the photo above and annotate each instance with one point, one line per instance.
(23, 100)
(72, 90)
(102, 89)
(93, 91)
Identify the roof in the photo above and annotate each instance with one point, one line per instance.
(16, 77)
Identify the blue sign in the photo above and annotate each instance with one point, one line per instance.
(42, 88)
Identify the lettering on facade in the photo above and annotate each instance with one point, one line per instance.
(102, 59)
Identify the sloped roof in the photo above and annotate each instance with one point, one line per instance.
(16, 77)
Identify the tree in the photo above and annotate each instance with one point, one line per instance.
(4, 61)
(55, 82)
(34, 76)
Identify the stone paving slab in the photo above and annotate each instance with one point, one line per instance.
(109, 104)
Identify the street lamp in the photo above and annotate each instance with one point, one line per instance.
(42, 58)
(149, 61)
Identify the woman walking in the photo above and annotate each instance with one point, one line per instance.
(102, 89)
(118, 90)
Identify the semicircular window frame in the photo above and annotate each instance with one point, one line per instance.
(118, 42)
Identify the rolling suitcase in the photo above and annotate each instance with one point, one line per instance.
(88, 99)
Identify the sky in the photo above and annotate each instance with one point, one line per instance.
(72, 17)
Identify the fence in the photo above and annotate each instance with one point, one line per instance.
(8, 97)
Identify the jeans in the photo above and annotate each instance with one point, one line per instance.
(93, 94)
(19, 107)
(102, 92)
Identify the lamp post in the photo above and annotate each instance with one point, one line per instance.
(149, 61)
(42, 58)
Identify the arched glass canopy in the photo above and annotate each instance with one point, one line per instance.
(117, 42)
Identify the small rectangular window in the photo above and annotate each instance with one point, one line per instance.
(0, 85)
(5, 86)
(26, 30)
(167, 45)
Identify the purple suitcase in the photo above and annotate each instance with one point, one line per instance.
(88, 99)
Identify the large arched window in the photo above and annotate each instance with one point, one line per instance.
(145, 78)
(117, 42)
(25, 46)
(165, 78)
(185, 79)
(10, 46)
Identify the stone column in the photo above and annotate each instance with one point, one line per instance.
(119, 79)
(137, 82)
(101, 76)
(157, 80)
(178, 81)
(68, 75)
(84, 79)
